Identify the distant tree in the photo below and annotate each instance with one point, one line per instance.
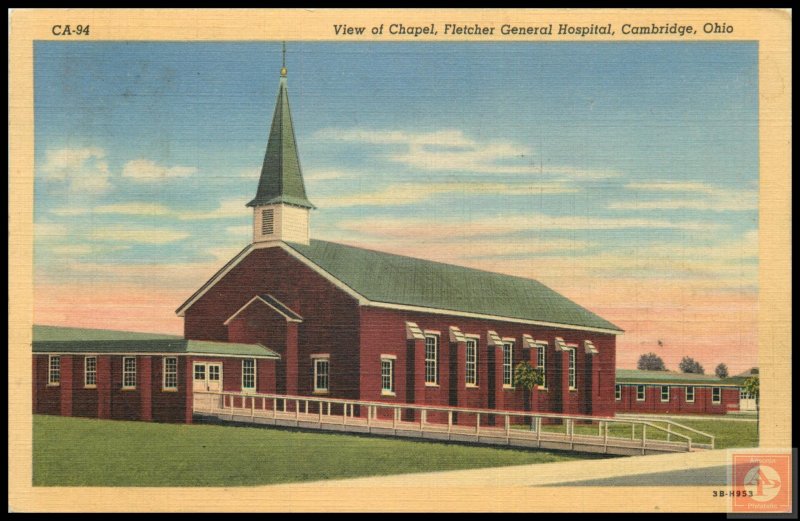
(721, 371)
(690, 365)
(651, 362)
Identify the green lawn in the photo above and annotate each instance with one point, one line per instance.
(728, 434)
(90, 452)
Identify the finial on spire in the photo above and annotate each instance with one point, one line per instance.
(283, 67)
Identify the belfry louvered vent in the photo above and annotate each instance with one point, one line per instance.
(267, 222)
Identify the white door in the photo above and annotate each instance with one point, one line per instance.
(207, 377)
(746, 401)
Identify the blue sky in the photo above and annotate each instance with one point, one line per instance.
(582, 165)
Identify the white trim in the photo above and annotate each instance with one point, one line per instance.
(617, 392)
(508, 342)
(320, 355)
(686, 393)
(572, 359)
(87, 385)
(164, 374)
(284, 315)
(432, 332)
(669, 393)
(413, 332)
(388, 357)
(142, 353)
(644, 393)
(435, 360)
(363, 301)
(471, 335)
(716, 402)
(509, 339)
(391, 360)
(456, 336)
(135, 372)
(475, 342)
(50, 370)
(314, 363)
(493, 339)
(255, 376)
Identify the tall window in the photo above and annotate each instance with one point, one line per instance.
(90, 371)
(431, 359)
(665, 393)
(170, 373)
(573, 383)
(54, 370)
(387, 376)
(200, 372)
(267, 222)
(690, 394)
(508, 360)
(618, 392)
(321, 374)
(640, 393)
(248, 374)
(541, 354)
(472, 361)
(716, 395)
(129, 372)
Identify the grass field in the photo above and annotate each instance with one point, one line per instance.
(728, 434)
(90, 452)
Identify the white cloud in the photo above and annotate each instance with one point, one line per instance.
(84, 169)
(137, 235)
(451, 150)
(402, 194)
(144, 170)
(504, 225)
(693, 196)
(227, 209)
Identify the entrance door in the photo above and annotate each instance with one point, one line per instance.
(746, 401)
(207, 378)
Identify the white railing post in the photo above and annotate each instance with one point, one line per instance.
(252, 407)
(644, 436)
(633, 431)
(297, 409)
(508, 426)
(306, 406)
(329, 408)
(394, 418)
(284, 404)
(478, 425)
(669, 432)
(369, 415)
(605, 438)
(422, 414)
(539, 429)
(449, 421)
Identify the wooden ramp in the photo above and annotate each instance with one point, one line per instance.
(454, 424)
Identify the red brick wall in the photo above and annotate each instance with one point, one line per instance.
(84, 399)
(47, 398)
(677, 404)
(330, 316)
(383, 332)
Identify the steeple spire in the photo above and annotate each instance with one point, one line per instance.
(281, 177)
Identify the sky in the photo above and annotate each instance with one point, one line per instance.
(623, 175)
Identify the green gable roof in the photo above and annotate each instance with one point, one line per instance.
(52, 339)
(669, 377)
(396, 279)
(281, 177)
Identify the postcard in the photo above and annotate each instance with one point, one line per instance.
(400, 260)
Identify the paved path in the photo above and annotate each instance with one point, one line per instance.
(671, 468)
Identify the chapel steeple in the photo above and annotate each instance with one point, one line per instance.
(281, 208)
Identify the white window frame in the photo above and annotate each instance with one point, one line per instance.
(718, 391)
(508, 364)
(572, 369)
(389, 361)
(53, 371)
(248, 389)
(662, 393)
(164, 386)
(432, 363)
(618, 392)
(686, 392)
(315, 363)
(87, 372)
(471, 362)
(643, 388)
(541, 363)
(127, 372)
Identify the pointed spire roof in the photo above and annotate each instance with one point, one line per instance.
(281, 177)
